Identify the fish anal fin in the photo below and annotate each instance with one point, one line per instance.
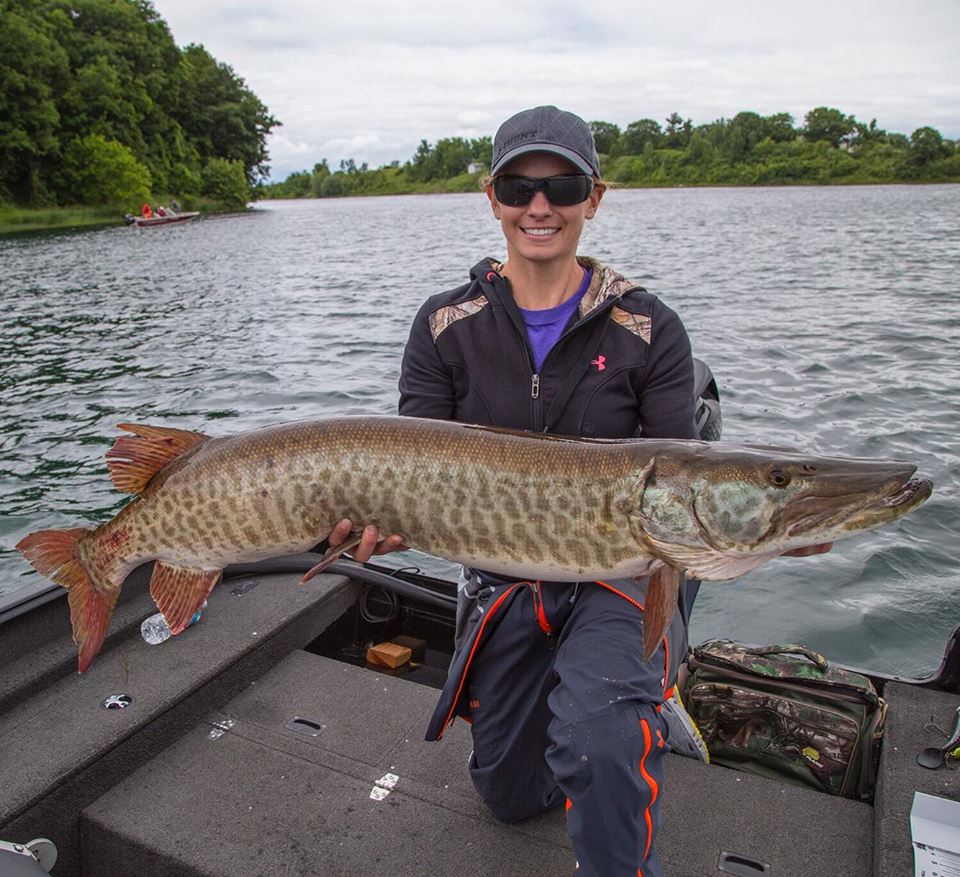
(659, 606)
(135, 459)
(54, 554)
(179, 592)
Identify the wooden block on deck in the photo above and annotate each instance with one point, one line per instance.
(388, 654)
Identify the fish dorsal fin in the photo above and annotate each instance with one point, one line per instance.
(709, 564)
(135, 459)
(179, 592)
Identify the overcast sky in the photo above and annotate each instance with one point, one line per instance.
(368, 79)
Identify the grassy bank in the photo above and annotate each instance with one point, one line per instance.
(17, 219)
(26, 219)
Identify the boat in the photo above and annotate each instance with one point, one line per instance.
(259, 742)
(168, 218)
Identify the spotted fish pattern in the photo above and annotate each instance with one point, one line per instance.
(525, 505)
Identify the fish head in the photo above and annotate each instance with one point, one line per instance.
(720, 510)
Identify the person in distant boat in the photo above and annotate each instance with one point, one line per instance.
(161, 211)
(146, 211)
(564, 710)
(174, 207)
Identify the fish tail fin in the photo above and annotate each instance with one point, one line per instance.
(55, 554)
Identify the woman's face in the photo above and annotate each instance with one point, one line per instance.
(540, 231)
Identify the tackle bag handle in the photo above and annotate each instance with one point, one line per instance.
(791, 649)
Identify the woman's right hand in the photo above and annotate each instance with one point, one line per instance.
(370, 543)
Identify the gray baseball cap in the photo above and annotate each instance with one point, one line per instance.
(546, 129)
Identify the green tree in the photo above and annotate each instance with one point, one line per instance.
(73, 68)
(826, 123)
(744, 132)
(699, 150)
(125, 76)
(33, 66)
(678, 131)
(101, 171)
(780, 128)
(481, 149)
(448, 158)
(864, 134)
(225, 181)
(637, 135)
(221, 115)
(605, 135)
(926, 145)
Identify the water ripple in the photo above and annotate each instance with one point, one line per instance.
(831, 318)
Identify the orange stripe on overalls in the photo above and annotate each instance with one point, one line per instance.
(651, 782)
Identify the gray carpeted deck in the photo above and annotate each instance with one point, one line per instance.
(242, 794)
(201, 776)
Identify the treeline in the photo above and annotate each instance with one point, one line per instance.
(98, 106)
(440, 167)
(749, 149)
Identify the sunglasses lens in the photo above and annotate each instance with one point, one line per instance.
(561, 191)
(565, 191)
(514, 191)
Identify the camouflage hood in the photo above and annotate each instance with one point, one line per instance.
(605, 283)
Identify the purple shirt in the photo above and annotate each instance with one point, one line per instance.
(546, 326)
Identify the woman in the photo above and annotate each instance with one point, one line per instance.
(563, 708)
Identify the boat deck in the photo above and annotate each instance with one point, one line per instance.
(202, 774)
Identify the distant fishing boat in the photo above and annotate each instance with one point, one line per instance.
(163, 216)
(140, 222)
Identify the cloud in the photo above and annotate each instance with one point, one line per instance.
(376, 77)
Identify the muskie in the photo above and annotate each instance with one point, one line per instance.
(524, 505)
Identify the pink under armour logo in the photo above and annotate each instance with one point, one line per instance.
(599, 362)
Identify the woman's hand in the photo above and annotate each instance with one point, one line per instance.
(370, 543)
(810, 549)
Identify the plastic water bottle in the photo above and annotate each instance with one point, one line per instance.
(155, 629)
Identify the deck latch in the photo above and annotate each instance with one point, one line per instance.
(304, 726)
(740, 865)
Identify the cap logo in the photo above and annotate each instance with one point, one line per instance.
(518, 138)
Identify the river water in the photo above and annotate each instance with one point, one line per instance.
(830, 317)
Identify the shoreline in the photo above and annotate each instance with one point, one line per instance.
(613, 184)
(26, 220)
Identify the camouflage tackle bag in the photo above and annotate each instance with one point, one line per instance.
(781, 711)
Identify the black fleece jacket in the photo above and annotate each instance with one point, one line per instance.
(622, 368)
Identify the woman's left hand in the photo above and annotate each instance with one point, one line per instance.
(808, 550)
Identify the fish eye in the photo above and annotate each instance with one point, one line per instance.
(779, 478)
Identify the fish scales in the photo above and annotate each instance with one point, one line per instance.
(289, 485)
(520, 504)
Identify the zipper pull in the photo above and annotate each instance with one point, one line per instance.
(535, 387)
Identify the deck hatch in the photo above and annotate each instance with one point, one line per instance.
(740, 866)
(309, 727)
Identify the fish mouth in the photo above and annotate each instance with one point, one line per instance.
(912, 493)
(860, 511)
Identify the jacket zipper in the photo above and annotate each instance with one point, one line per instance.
(536, 413)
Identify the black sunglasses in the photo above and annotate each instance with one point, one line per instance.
(561, 191)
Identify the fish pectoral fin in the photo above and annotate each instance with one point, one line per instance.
(179, 592)
(659, 606)
(710, 564)
(333, 554)
(135, 459)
